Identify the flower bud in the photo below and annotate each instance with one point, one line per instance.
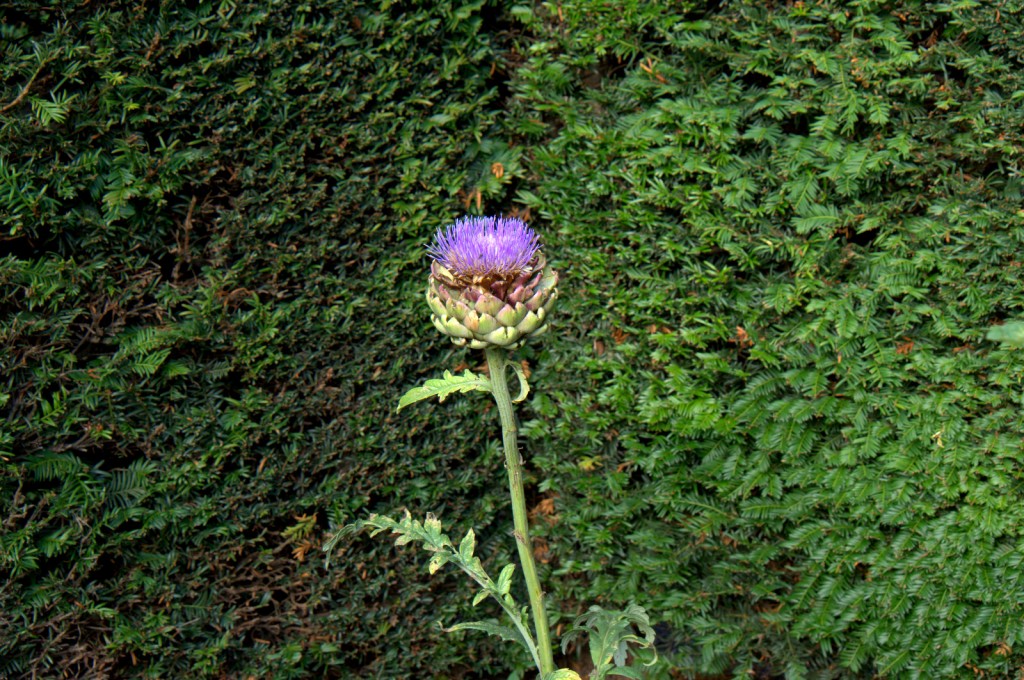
(490, 286)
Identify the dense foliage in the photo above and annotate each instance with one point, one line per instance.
(215, 219)
(777, 421)
(767, 411)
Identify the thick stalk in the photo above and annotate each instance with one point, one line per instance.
(514, 465)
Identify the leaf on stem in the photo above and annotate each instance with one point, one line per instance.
(563, 674)
(443, 387)
(346, 530)
(436, 562)
(467, 546)
(429, 534)
(524, 387)
(490, 627)
(610, 633)
(505, 579)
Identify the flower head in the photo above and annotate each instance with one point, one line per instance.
(490, 285)
(485, 248)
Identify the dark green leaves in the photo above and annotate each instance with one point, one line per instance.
(769, 414)
(200, 205)
(777, 419)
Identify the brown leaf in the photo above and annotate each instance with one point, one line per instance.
(299, 552)
(541, 551)
(742, 337)
(545, 507)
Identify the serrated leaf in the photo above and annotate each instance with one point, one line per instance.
(491, 627)
(609, 635)
(432, 524)
(332, 542)
(467, 546)
(436, 562)
(505, 579)
(445, 386)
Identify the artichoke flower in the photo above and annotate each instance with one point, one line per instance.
(490, 285)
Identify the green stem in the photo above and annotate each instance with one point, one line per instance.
(514, 465)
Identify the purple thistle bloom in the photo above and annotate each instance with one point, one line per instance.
(480, 248)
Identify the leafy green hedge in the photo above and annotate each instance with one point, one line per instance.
(767, 412)
(215, 219)
(774, 419)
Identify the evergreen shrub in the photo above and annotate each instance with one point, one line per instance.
(213, 217)
(784, 230)
(772, 417)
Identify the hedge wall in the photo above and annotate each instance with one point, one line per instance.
(767, 412)
(773, 417)
(213, 223)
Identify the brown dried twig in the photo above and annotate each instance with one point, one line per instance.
(24, 90)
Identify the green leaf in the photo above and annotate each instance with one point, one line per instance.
(1010, 333)
(609, 635)
(522, 12)
(467, 546)
(480, 597)
(491, 627)
(524, 387)
(442, 387)
(505, 579)
(563, 674)
(432, 525)
(149, 364)
(408, 530)
(817, 218)
(436, 562)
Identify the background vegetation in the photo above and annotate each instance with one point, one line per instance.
(767, 411)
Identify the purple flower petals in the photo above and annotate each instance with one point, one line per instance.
(480, 248)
